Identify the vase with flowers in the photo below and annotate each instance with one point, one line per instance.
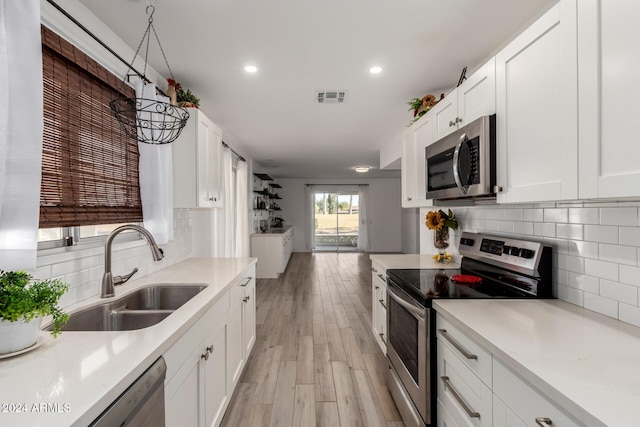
(172, 91)
(440, 222)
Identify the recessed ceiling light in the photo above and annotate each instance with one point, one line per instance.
(361, 169)
(375, 70)
(251, 68)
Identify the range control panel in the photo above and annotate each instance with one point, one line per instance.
(522, 255)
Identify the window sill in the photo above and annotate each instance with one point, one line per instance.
(91, 247)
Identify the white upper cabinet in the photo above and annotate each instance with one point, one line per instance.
(196, 164)
(537, 110)
(474, 98)
(609, 92)
(413, 173)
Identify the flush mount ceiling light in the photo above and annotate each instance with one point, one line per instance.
(362, 169)
(251, 68)
(375, 70)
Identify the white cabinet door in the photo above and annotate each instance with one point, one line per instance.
(214, 377)
(378, 305)
(196, 164)
(235, 357)
(536, 107)
(182, 397)
(477, 94)
(249, 317)
(503, 416)
(413, 173)
(444, 116)
(609, 96)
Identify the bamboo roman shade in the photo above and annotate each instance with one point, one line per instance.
(89, 166)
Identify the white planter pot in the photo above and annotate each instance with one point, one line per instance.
(14, 336)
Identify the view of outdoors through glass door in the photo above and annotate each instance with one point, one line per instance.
(336, 219)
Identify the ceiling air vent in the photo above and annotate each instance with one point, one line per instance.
(331, 97)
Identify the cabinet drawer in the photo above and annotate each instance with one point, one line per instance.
(474, 356)
(525, 401)
(444, 418)
(467, 399)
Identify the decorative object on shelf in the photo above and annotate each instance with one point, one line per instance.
(149, 120)
(172, 87)
(187, 99)
(420, 106)
(440, 222)
(23, 303)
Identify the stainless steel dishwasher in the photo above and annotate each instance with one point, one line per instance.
(142, 404)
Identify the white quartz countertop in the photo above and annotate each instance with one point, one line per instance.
(389, 261)
(70, 380)
(274, 231)
(587, 363)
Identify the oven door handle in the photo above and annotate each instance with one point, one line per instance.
(409, 307)
(456, 167)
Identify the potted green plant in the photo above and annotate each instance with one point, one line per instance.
(186, 98)
(23, 303)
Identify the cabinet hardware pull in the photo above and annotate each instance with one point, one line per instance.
(497, 189)
(374, 270)
(451, 123)
(210, 348)
(409, 199)
(204, 356)
(383, 304)
(377, 287)
(458, 120)
(470, 412)
(544, 421)
(245, 299)
(381, 336)
(247, 281)
(384, 279)
(457, 345)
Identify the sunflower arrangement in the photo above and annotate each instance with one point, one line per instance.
(436, 220)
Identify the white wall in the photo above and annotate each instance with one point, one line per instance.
(596, 248)
(410, 233)
(384, 204)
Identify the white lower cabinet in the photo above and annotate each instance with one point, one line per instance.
(205, 364)
(379, 305)
(467, 399)
(523, 402)
(273, 252)
(503, 416)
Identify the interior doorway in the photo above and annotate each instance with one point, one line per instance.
(336, 221)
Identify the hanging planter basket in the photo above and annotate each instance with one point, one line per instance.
(149, 121)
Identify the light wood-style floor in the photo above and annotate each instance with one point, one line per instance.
(315, 361)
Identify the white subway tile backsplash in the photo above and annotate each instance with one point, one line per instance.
(630, 236)
(629, 313)
(619, 292)
(570, 231)
(584, 216)
(556, 215)
(601, 233)
(584, 282)
(602, 269)
(619, 216)
(535, 215)
(602, 305)
(620, 254)
(596, 248)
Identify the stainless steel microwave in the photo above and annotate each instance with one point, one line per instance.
(463, 164)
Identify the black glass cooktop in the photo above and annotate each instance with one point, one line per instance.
(481, 281)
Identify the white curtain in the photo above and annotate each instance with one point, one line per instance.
(363, 230)
(229, 211)
(311, 216)
(242, 210)
(20, 132)
(156, 177)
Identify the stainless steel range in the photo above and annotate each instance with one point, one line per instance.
(491, 267)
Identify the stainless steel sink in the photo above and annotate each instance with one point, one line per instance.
(140, 309)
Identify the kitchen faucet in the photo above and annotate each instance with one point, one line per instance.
(108, 280)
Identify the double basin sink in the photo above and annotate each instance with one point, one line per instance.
(140, 309)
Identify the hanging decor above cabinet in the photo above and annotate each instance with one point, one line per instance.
(148, 120)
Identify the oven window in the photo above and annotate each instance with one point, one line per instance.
(403, 336)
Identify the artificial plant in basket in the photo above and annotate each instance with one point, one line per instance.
(22, 298)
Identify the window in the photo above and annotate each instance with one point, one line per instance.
(89, 166)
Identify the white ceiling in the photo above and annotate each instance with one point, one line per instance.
(303, 46)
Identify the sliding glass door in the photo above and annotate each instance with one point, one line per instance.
(336, 221)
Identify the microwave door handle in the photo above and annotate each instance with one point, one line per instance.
(409, 307)
(456, 169)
